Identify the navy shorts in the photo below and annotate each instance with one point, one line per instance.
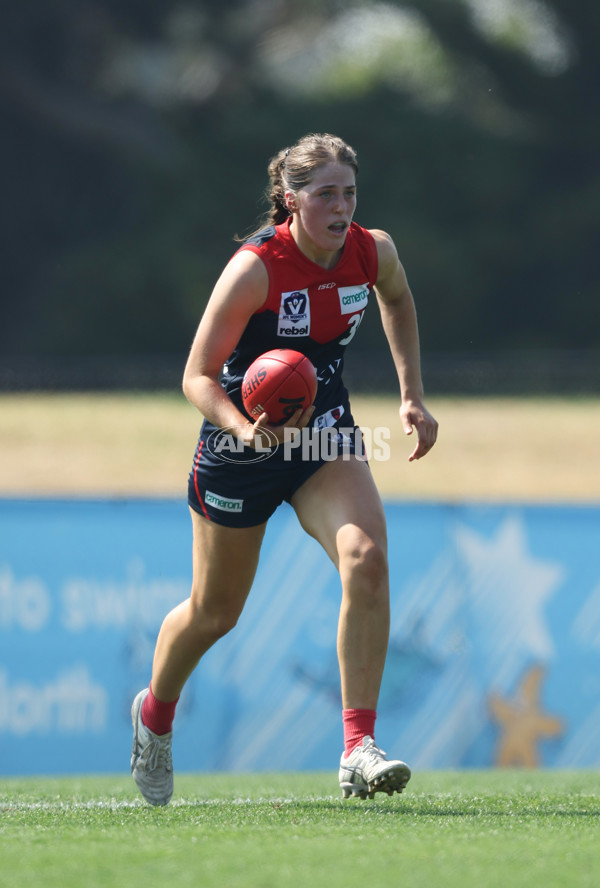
(241, 487)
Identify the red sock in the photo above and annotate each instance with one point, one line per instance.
(156, 715)
(357, 724)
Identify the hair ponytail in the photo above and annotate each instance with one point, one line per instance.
(277, 188)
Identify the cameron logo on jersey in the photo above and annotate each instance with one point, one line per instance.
(354, 298)
(294, 314)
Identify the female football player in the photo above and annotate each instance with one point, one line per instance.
(302, 281)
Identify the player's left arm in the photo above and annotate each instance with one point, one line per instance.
(399, 318)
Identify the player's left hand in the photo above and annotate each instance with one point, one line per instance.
(414, 415)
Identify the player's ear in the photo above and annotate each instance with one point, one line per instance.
(290, 201)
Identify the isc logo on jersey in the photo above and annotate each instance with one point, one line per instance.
(294, 314)
(353, 298)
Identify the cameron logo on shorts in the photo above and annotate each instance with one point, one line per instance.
(220, 502)
(353, 298)
(294, 314)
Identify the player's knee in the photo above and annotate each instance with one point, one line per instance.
(222, 624)
(212, 624)
(365, 564)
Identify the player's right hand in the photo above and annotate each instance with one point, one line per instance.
(264, 433)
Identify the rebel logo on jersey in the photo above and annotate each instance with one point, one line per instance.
(294, 314)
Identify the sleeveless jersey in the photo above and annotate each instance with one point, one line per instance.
(311, 309)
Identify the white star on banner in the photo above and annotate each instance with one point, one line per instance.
(506, 593)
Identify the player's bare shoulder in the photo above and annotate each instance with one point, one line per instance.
(244, 281)
(390, 267)
(383, 240)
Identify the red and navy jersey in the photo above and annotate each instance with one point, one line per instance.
(311, 309)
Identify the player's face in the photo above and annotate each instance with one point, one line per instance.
(323, 210)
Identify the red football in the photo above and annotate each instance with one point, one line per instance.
(279, 382)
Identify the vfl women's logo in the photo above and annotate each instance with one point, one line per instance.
(294, 314)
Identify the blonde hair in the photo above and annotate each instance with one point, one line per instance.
(294, 167)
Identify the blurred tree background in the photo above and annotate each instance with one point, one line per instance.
(135, 141)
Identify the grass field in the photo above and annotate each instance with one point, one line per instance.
(457, 830)
(127, 444)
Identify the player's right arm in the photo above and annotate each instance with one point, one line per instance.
(240, 291)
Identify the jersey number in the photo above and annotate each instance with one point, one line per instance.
(353, 323)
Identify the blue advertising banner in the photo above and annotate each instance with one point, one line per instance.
(494, 656)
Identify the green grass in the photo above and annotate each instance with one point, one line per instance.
(456, 830)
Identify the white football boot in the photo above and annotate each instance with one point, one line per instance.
(151, 762)
(367, 771)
